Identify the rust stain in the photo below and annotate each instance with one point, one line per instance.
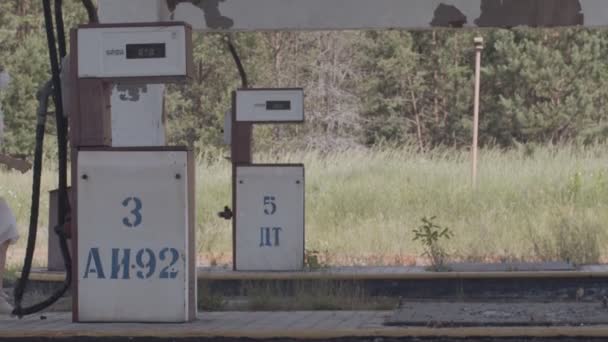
(547, 13)
(211, 8)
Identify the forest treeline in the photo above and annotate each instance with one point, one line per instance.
(363, 88)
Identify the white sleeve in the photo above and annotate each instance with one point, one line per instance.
(5, 79)
(8, 224)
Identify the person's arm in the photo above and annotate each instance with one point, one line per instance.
(15, 163)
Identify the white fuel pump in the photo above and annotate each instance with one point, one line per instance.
(133, 231)
(268, 201)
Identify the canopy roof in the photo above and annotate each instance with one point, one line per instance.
(259, 15)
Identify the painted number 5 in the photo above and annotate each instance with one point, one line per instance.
(136, 212)
(269, 206)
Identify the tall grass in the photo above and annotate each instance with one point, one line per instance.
(546, 203)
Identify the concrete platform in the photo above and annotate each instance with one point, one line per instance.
(500, 314)
(508, 281)
(456, 271)
(280, 326)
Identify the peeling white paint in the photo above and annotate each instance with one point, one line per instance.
(139, 122)
(250, 15)
(596, 12)
(129, 11)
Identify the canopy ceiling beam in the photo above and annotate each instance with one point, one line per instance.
(296, 15)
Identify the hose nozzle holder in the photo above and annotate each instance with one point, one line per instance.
(227, 214)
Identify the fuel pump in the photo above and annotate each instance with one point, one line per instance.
(267, 199)
(133, 217)
(131, 221)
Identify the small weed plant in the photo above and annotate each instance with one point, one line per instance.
(431, 235)
(312, 260)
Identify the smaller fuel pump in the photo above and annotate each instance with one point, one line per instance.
(268, 199)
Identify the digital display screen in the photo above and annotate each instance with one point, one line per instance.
(141, 51)
(278, 105)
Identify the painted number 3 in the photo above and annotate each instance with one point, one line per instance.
(135, 219)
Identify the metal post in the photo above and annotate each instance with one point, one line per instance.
(4, 83)
(478, 48)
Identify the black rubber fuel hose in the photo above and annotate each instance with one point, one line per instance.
(62, 155)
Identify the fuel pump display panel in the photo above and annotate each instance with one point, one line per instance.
(140, 51)
(278, 105)
(137, 51)
(269, 218)
(133, 237)
(270, 105)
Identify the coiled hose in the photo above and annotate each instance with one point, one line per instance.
(52, 87)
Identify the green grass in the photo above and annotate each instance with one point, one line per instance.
(317, 296)
(545, 203)
(303, 296)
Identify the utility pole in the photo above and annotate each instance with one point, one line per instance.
(5, 80)
(478, 48)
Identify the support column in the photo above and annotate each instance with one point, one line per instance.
(137, 109)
